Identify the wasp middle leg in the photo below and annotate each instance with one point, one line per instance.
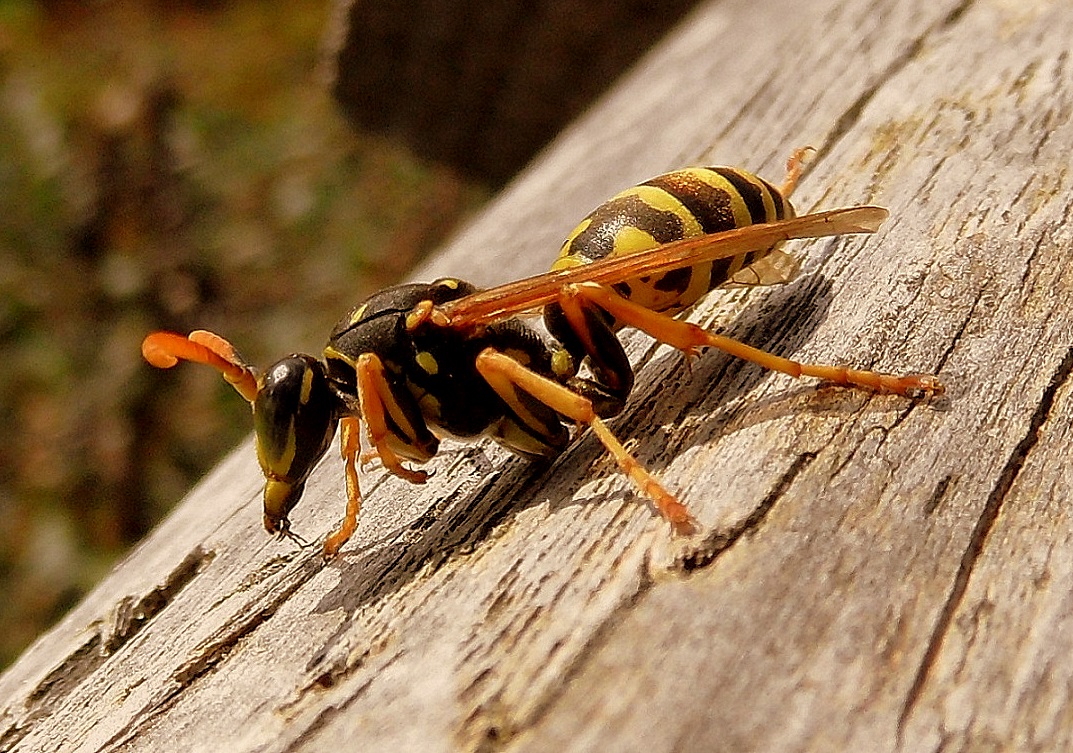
(506, 376)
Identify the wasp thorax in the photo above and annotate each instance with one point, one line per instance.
(294, 420)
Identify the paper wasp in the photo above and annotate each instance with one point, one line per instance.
(419, 362)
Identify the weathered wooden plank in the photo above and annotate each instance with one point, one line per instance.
(877, 574)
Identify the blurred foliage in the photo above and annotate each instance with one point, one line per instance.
(173, 165)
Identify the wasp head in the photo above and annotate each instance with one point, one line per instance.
(294, 415)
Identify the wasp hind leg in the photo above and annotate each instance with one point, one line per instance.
(795, 167)
(687, 337)
(511, 380)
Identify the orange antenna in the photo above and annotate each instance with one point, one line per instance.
(165, 349)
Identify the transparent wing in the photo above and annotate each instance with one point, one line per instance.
(531, 293)
(776, 268)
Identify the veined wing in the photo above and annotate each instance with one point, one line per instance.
(531, 293)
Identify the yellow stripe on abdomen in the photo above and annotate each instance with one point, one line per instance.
(681, 204)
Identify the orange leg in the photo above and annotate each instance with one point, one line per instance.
(376, 402)
(687, 337)
(795, 166)
(349, 445)
(374, 395)
(505, 375)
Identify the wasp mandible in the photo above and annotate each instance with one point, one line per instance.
(419, 362)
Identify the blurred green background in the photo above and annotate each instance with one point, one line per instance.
(183, 164)
(166, 165)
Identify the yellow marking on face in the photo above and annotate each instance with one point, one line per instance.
(427, 362)
(276, 495)
(278, 466)
(449, 283)
(307, 387)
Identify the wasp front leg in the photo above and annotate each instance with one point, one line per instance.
(349, 447)
(395, 428)
(507, 377)
(687, 337)
(393, 421)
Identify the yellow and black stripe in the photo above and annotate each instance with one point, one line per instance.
(681, 204)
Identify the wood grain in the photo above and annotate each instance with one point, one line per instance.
(876, 574)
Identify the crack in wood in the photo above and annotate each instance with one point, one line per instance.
(848, 121)
(858, 444)
(980, 533)
(328, 672)
(324, 716)
(491, 726)
(938, 495)
(128, 618)
(955, 339)
(719, 540)
(211, 653)
(209, 656)
(762, 94)
(78, 665)
(1046, 238)
(452, 526)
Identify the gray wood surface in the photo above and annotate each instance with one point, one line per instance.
(876, 574)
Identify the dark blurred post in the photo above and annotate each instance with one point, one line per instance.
(482, 86)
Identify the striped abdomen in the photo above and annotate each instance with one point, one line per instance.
(681, 204)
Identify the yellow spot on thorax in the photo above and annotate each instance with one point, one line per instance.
(427, 362)
(357, 314)
(332, 353)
